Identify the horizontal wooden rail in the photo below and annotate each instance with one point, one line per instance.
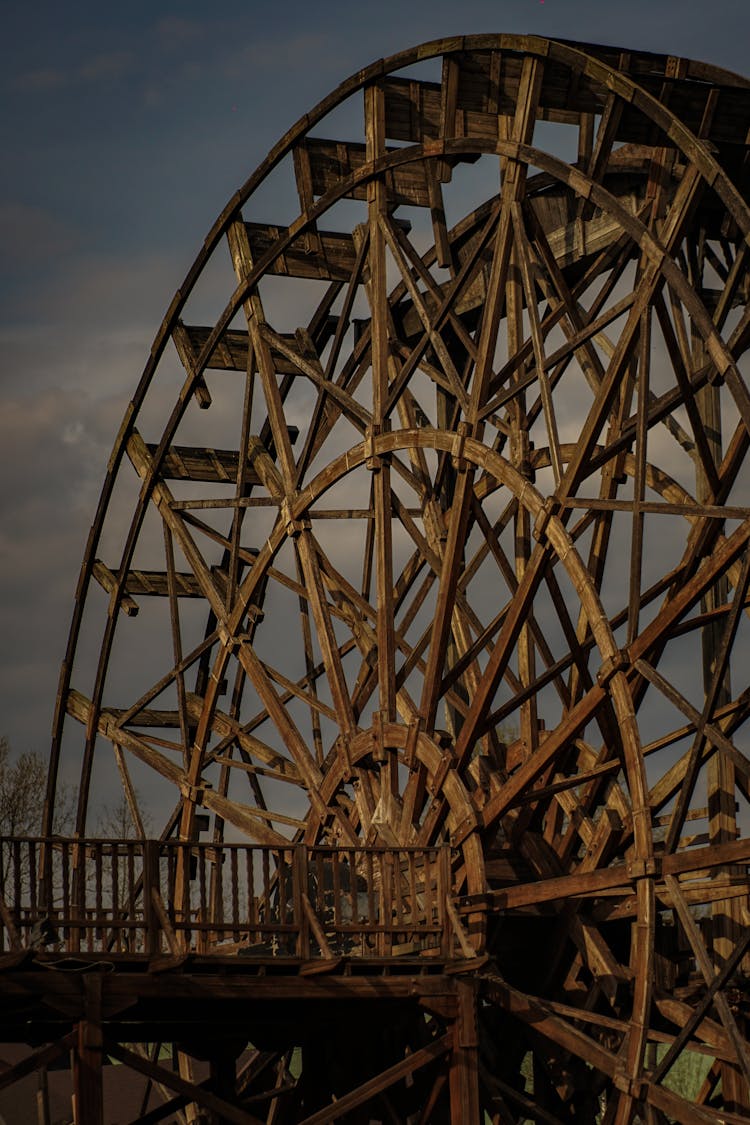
(147, 897)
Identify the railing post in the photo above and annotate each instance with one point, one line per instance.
(299, 888)
(46, 892)
(444, 889)
(79, 895)
(152, 934)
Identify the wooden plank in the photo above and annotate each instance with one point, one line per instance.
(333, 261)
(414, 107)
(333, 161)
(619, 876)
(232, 351)
(150, 584)
(186, 462)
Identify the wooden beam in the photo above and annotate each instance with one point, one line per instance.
(400, 1070)
(196, 1093)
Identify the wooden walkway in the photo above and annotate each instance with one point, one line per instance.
(125, 898)
(109, 947)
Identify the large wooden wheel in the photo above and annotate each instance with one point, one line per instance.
(428, 522)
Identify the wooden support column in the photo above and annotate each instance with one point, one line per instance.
(464, 1063)
(223, 1081)
(42, 1098)
(377, 207)
(87, 1056)
(726, 915)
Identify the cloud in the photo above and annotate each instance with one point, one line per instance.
(290, 52)
(176, 31)
(41, 81)
(106, 66)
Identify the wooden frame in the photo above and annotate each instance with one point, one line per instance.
(460, 562)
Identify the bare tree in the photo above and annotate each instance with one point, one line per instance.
(115, 822)
(23, 781)
(22, 785)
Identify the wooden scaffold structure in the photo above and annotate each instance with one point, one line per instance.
(418, 596)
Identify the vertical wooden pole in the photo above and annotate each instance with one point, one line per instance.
(223, 1080)
(300, 862)
(42, 1098)
(377, 206)
(88, 1100)
(726, 917)
(152, 935)
(464, 1064)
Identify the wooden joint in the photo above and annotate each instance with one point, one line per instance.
(464, 828)
(231, 642)
(410, 749)
(373, 461)
(108, 581)
(463, 430)
(447, 763)
(228, 640)
(379, 752)
(202, 393)
(550, 508)
(635, 1088)
(343, 752)
(467, 949)
(194, 793)
(716, 377)
(293, 527)
(613, 664)
(645, 868)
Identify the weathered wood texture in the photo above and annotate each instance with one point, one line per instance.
(429, 592)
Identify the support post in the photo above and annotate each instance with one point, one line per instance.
(42, 1097)
(88, 1101)
(152, 935)
(726, 915)
(223, 1081)
(464, 1064)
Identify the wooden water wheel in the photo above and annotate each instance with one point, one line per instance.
(428, 524)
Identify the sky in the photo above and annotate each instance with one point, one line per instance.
(124, 129)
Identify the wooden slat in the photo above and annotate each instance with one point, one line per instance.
(332, 161)
(333, 261)
(413, 107)
(186, 462)
(216, 466)
(152, 583)
(231, 353)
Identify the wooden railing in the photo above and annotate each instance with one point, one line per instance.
(145, 897)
